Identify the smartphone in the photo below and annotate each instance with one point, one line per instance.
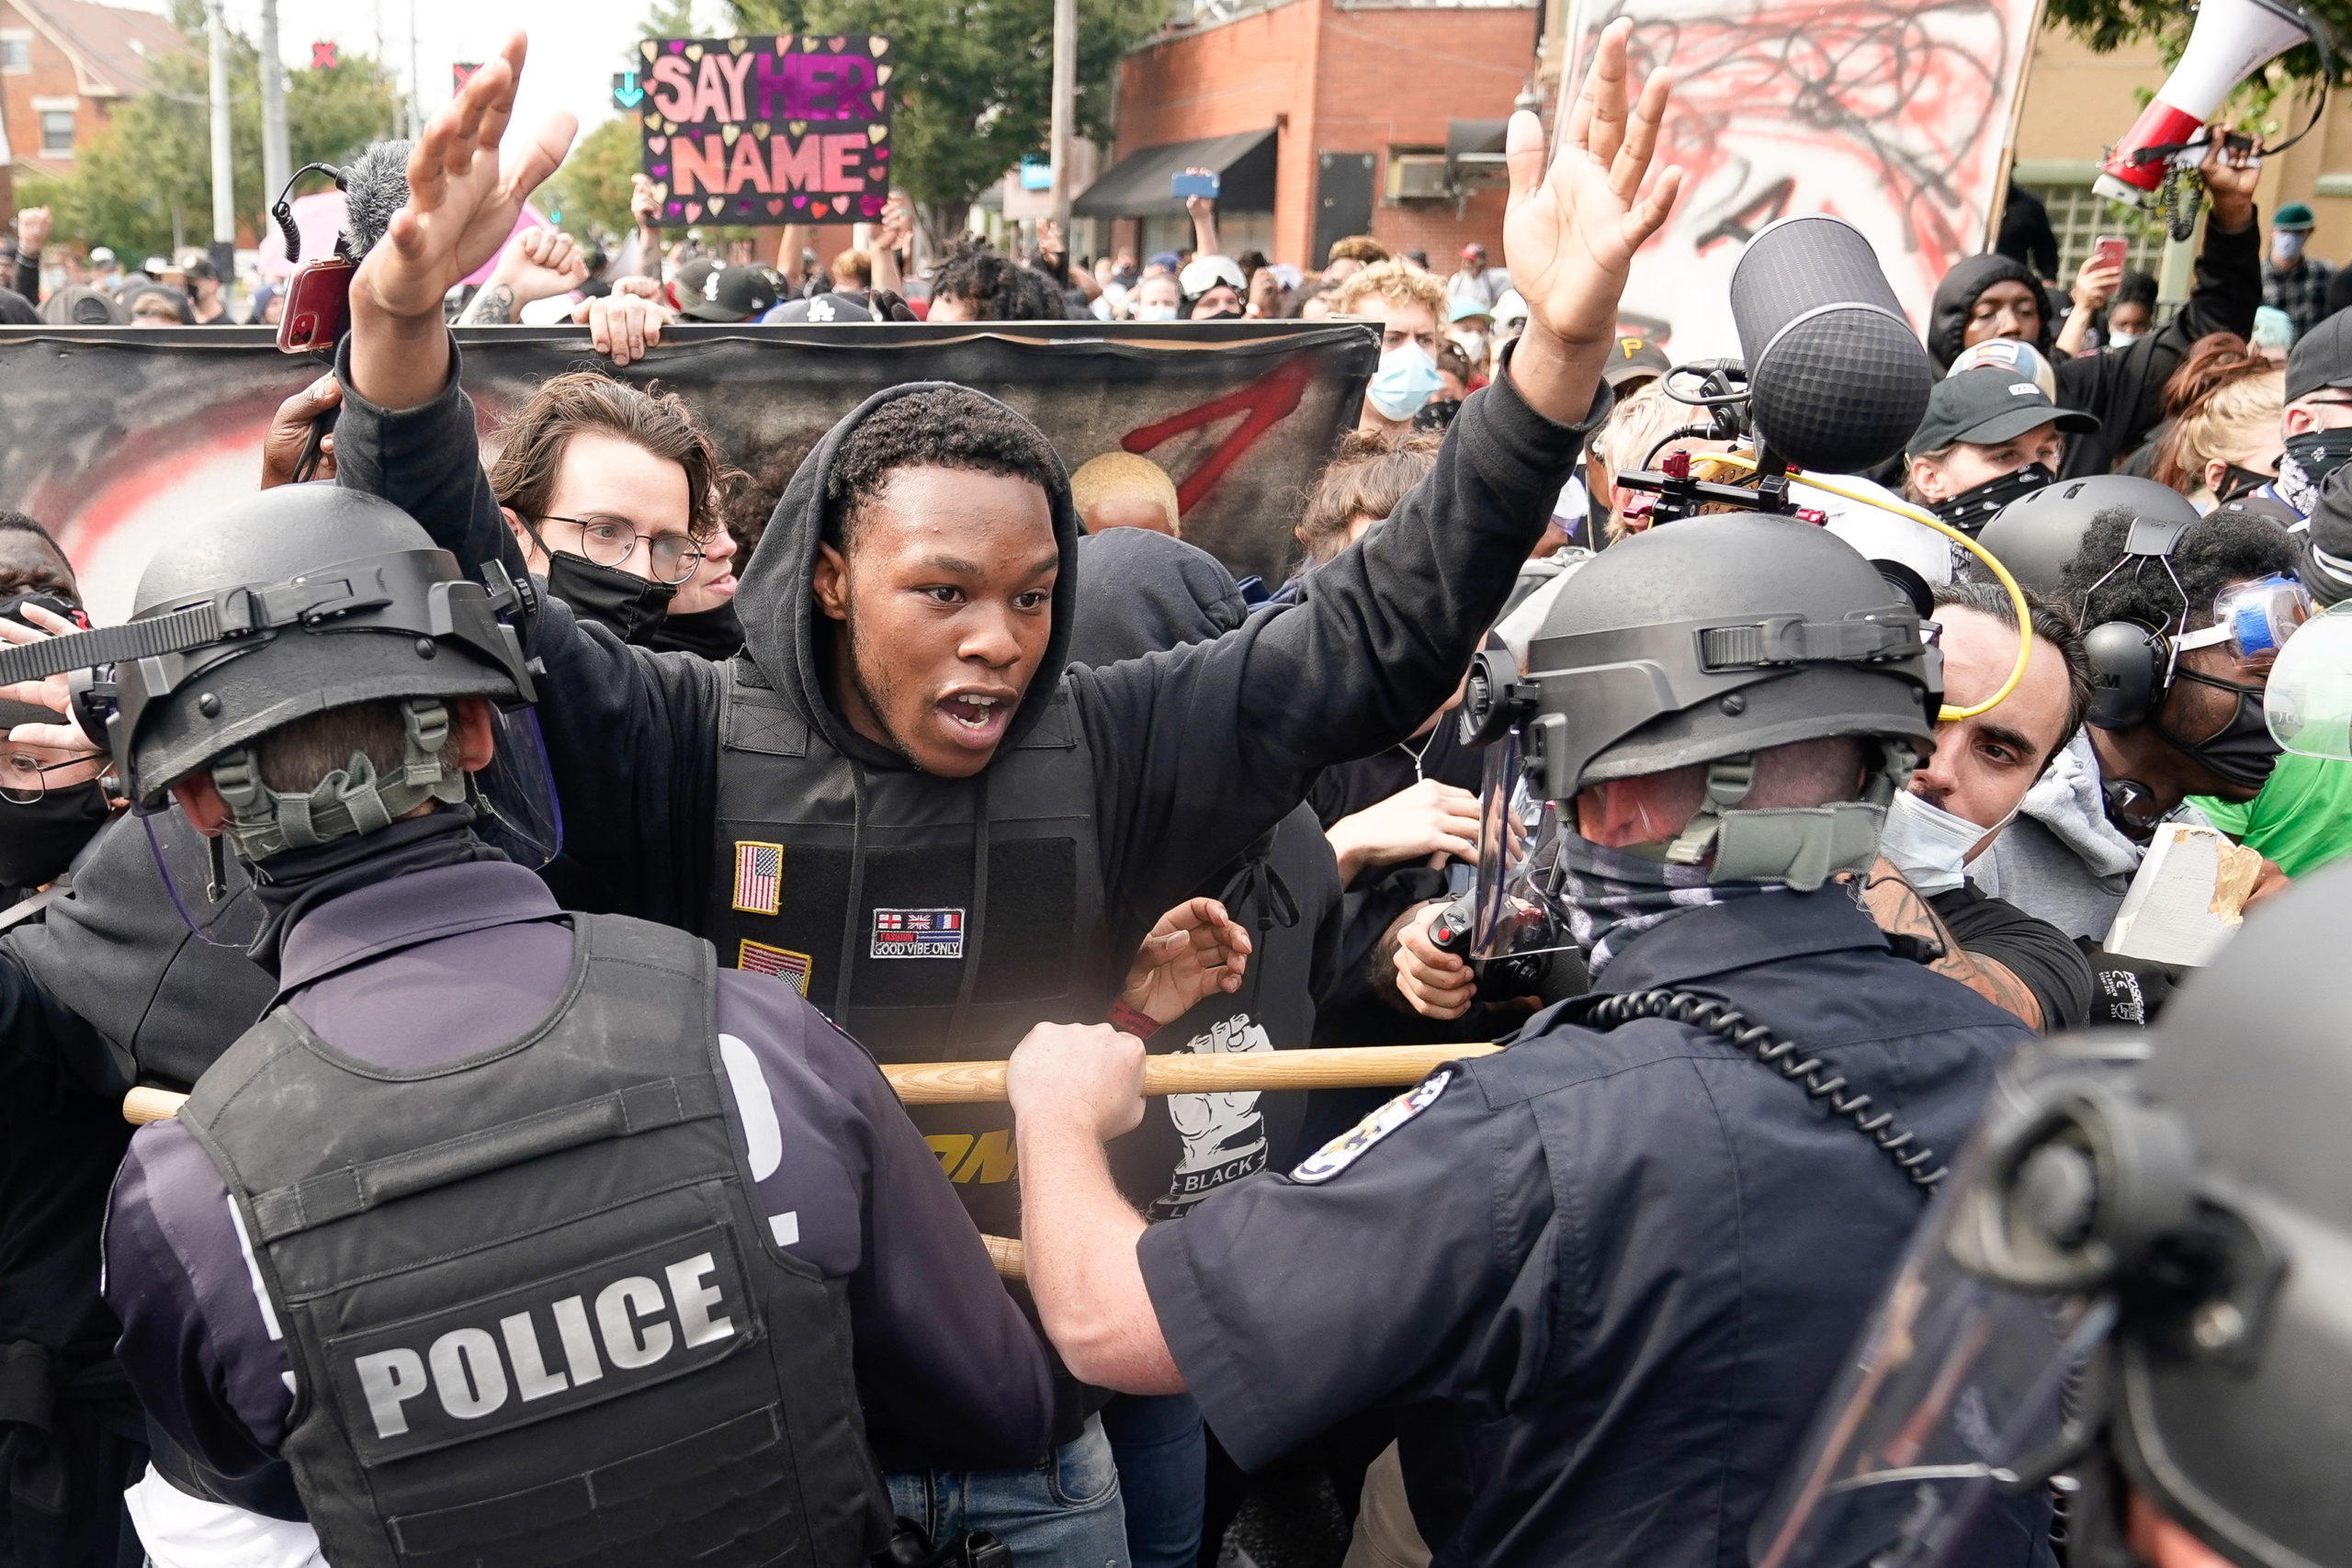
(318, 305)
(1181, 186)
(2108, 250)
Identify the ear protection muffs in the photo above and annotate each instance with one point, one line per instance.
(2132, 662)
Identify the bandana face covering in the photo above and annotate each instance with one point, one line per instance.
(1974, 507)
(2309, 459)
(1613, 896)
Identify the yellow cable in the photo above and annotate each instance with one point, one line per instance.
(1904, 509)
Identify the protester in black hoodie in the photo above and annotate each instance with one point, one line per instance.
(883, 757)
(1139, 593)
(2123, 386)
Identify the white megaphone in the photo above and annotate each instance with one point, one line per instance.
(2232, 40)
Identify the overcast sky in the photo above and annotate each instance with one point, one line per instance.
(576, 45)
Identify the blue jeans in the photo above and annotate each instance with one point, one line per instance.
(1162, 1452)
(1063, 1512)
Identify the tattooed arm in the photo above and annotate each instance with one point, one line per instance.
(1906, 916)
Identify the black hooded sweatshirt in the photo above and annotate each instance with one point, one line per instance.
(1196, 751)
(1139, 593)
(2124, 386)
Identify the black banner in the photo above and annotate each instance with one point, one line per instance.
(114, 436)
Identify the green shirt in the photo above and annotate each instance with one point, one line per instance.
(2302, 818)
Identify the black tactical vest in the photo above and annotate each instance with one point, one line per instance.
(534, 1313)
(935, 920)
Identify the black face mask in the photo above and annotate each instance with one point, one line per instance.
(710, 634)
(628, 605)
(40, 840)
(1221, 316)
(2237, 481)
(1974, 507)
(2244, 751)
(2309, 459)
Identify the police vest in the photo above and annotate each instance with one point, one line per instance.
(532, 1317)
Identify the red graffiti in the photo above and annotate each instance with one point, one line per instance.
(1268, 401)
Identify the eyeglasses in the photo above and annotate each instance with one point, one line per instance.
(24, 779)
(609, 542)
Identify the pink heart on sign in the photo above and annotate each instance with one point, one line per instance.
(880, 153)
(659, 170)
(694, 210)
(657, 143)
(799, 201)
(674, 209)
(775, 205)
(870, 205)
(677, 46)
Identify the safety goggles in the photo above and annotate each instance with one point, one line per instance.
(2254, 620)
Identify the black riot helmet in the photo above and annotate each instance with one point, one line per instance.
(2140, 1267)
(2035, 536)
(288, 604)
(1708, 640)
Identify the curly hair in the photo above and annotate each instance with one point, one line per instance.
(582, 402)
(1356, 247)
(2215, 551)
(998, 289)
(1394, 281)
(941, 427)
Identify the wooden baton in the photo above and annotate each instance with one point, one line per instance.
(977, 1083)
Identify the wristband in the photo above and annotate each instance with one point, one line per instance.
(1128, 1021)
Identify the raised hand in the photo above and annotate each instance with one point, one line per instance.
(541, 262)
(2230, 177)
(32, 230)
(1570, 231)
(1196, 950)
(462, 201)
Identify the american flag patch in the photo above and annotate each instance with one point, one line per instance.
(782, 962)
(759, 877)
(917, 933)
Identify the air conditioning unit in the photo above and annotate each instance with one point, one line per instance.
(1418, 176)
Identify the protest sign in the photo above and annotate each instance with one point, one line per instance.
(117, 437)
(767, 129)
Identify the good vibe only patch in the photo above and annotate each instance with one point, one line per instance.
(917, 933)
(1350, 1147)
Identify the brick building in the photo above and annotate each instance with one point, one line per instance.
(64, 63)
(1326, 118)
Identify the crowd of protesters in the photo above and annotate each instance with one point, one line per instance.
(1233, 816)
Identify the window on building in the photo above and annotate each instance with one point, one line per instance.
(16, 53)
(2078, 216)
(57, 132)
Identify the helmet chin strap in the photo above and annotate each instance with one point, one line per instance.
(1802, 846)
(349, 801)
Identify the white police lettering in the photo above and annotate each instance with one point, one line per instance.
(474, 1371)
(620, 1306)
(467, 1373)
(390, 1378)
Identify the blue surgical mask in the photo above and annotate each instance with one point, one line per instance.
(2286, 245)
(1407, 378)
(2123, 339)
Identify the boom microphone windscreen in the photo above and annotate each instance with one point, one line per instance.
(1839, 380)
(375, 186)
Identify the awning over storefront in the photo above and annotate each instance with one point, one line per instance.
(1137, 185)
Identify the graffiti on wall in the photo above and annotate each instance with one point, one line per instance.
(1891, 114)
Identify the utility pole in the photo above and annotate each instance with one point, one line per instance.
(276, 167)
(224, 196)
(1065, 112)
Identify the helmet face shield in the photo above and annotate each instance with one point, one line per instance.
(1517, 911)
(2308, 700)
(515, 796)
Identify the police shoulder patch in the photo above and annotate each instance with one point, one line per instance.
(1349, 1146)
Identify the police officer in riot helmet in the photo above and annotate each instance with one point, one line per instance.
(1619, 1256)
(507, 1234)
(2131, 1299)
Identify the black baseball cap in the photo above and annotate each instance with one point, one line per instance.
(709, 292)
(1987, 406)
(1634, 358)
(2321, 358)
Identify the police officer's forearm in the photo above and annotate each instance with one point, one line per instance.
(1079, 1251)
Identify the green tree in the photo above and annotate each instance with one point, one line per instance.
(975, 79)
(145, 184)
(590, 192)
